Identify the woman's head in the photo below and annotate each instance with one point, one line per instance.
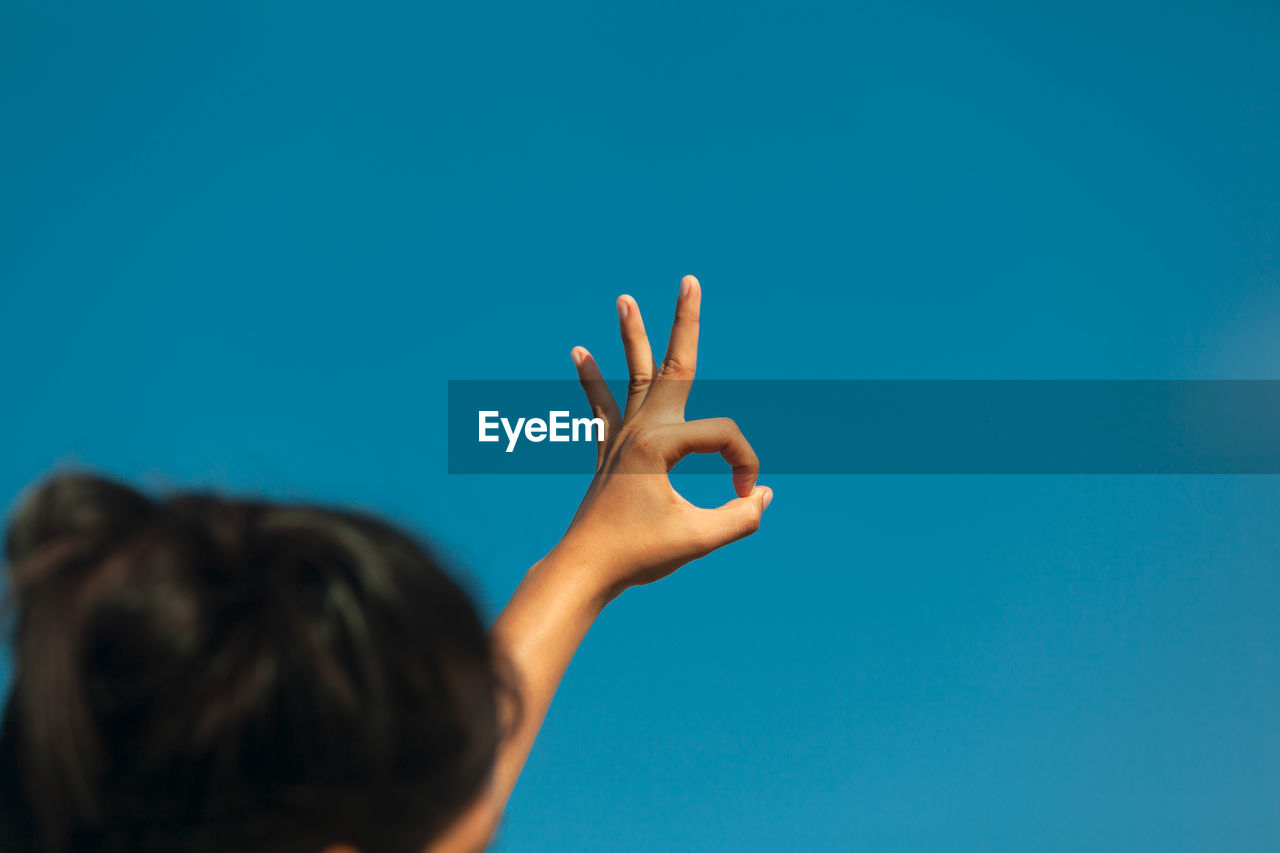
(197, 674)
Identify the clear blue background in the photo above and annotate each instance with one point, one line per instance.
(246, 247)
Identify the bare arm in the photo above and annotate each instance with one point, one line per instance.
(632, 527)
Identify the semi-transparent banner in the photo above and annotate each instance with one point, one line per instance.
(900, 426)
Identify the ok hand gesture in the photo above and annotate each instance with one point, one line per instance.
(633, 527)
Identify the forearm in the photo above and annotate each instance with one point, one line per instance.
(632, 527)
(538, 633)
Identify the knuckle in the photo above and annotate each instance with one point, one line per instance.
(644, 439)
(675, 368)
(638, 383)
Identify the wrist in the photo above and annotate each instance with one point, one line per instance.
(583, 576)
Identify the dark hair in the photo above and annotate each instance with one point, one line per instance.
(202, 674)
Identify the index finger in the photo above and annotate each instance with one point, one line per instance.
(713, 435)
(672, 386)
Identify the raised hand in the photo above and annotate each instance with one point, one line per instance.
(633, 527)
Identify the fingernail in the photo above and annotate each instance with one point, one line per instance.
(579, 355)
(685, 287)
(622, 308)
(768, 497)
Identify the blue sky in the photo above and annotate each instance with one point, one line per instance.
(247, 247)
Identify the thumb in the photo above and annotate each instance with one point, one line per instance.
(738, 518)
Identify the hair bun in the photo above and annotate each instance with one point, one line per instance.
(74, 506)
